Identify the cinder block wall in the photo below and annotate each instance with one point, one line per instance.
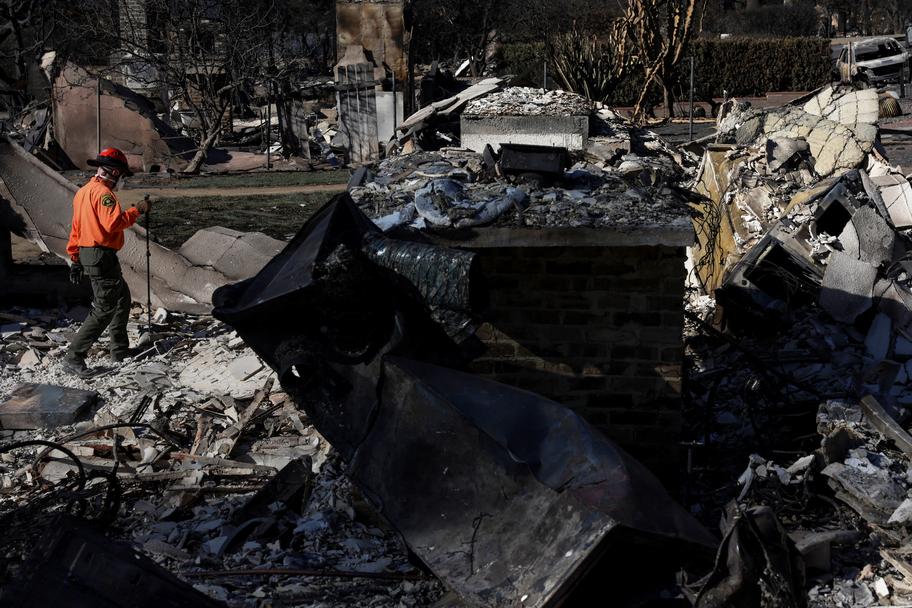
(598, 329)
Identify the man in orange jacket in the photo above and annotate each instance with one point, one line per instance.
(96, 236)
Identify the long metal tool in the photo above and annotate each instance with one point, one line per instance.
(148, 268)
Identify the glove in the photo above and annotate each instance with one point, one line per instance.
(145, 205)
(76, 273)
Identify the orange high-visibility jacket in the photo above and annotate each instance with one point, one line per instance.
(98, 220)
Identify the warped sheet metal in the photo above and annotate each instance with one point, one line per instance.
(510, 498)
(75, 565)
(39, 207)
(717, 228)
(129, 122)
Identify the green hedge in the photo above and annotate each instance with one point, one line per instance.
(755, 66)
(741, 66)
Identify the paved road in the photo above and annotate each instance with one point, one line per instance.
(898, 145)
(678, 133)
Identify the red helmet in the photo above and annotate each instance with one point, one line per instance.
(111, 157)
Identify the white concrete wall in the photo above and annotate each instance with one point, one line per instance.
(385, 125)
(571, 132)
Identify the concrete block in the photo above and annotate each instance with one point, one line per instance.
(868, 237)
(571, 132)
(36, 406)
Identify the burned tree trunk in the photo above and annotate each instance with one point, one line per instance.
(203, 151)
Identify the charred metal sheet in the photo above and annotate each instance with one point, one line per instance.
(77, 567)
(774, 278)
(39, 207)
(757, 565)
(443, 277)
(510, 498)
(546, 160)
(447, 279)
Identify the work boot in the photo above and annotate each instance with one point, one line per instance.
(77, 367)
(121, 355)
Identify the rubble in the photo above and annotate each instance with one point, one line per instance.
(524, 101)
(131, 124)
(210, 487)
(588, 496)
(801, 258)
(634, 188)
(211, 450)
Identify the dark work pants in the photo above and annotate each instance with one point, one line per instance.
(110, 303)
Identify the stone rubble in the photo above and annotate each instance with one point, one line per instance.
(524, 101)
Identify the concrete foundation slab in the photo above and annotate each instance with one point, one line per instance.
(36, 406)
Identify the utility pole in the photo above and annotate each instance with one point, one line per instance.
(268, 123)
(98, 112)
(690, 131)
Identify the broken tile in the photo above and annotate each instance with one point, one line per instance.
(848, 285)
(896, 193)
(903, 513)
(880, 587)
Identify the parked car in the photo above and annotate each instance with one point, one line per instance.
(880, 60)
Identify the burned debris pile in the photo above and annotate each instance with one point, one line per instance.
(623, 177)
(803, 240)
(536, 504)
(230, 488)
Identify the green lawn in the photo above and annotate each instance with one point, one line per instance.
(243, 180)
(174, 220)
